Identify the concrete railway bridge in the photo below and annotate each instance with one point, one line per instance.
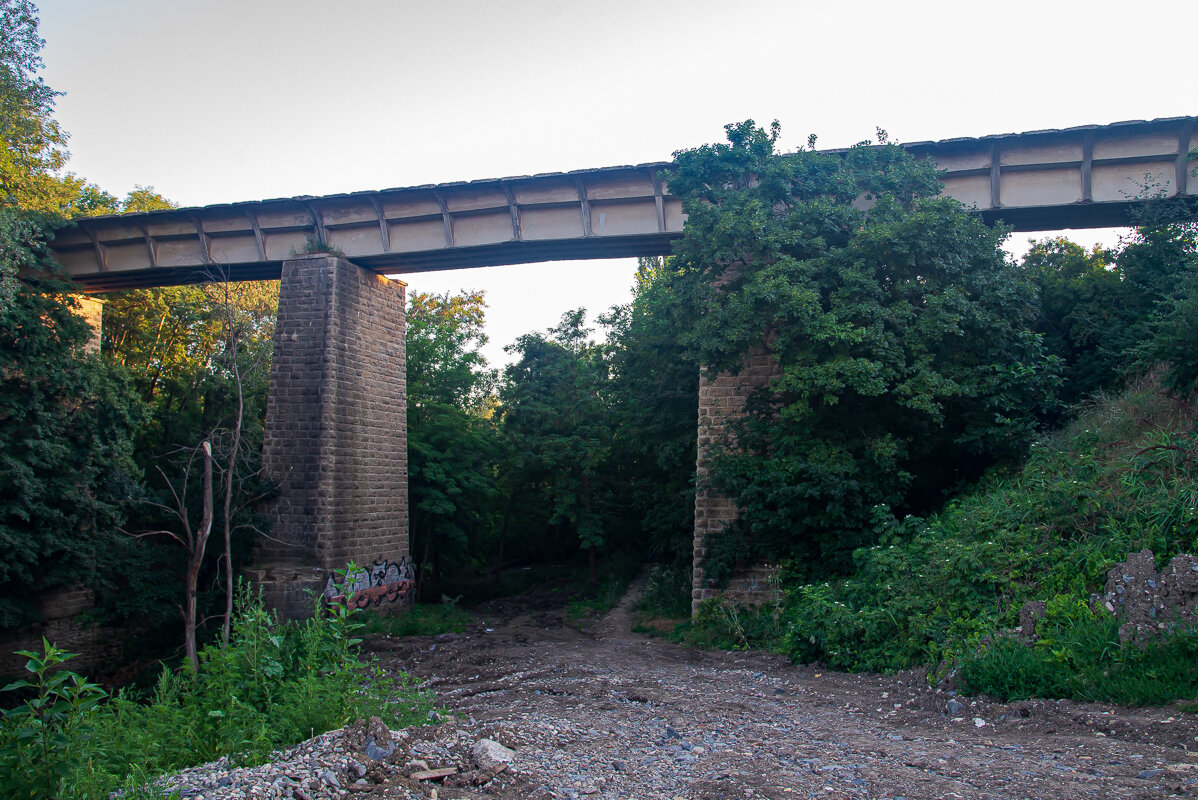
(336, 429)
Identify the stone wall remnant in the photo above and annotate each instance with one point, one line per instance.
(1151, 603)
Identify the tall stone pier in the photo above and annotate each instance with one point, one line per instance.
(336, 430)
(722, 399)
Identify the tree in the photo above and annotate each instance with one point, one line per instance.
(1088, 313)
(32, 144)
(1160, 259)
(451, 440)
(66, 417)
(901, 331)
(555, 410)
(66, 452)
(654, 389)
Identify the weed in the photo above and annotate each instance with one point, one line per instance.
(667, 592)
(314, 245)
(729, 626)
(41, 739)
(274, 685)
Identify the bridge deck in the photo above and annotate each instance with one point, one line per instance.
(1040, 180)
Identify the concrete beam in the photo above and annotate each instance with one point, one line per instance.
(1039, 180)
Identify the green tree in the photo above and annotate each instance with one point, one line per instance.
(1161, 260)
(555, 411)
(1088, 313)
(902, 334)
(32, 143)
(66, 466)
(451, 437)
(654, 389)
(66, 418)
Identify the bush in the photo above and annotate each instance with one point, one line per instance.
(731, 626)
(1120, 478)
(667, 592)
(272, 686)
(1079, 656)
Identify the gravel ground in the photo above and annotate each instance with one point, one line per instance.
(604, 713)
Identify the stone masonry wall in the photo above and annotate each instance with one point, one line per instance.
(721, 399)
(336, 428)
(92, 310)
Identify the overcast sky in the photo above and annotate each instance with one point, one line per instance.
(226, 100)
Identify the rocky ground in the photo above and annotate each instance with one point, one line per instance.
(604, 713)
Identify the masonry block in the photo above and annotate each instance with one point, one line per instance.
(336, 429)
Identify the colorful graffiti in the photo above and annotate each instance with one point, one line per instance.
(387, 581)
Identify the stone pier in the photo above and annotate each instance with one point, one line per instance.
(336, 429)
(722, 399)
(91, 309)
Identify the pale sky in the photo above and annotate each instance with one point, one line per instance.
(227, 100)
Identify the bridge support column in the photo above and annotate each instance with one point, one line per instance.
(336, 430)
(722, 399)
(91, 309)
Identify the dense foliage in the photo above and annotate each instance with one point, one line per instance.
(270, 687)
(901, 332)
(66, 424)
(1108, 484)
(66, 417)
(555, 413)
(451, 439)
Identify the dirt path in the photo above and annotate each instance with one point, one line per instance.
(607, 713)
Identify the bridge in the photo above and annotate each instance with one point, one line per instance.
(336, 426)
(1083, 177)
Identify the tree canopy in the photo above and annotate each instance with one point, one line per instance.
(900, 328)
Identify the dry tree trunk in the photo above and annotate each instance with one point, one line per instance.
(195, 558)
(231, 467)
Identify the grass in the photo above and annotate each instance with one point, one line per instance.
(1079, 655)
(421, 619)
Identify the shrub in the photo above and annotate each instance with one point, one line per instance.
(731, 626)
(667, 592)
(1118, 479)
(1079, 656)
(273, 685)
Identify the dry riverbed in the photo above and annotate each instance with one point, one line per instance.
(604, 713)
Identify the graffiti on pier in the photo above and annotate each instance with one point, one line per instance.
(369, 586)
